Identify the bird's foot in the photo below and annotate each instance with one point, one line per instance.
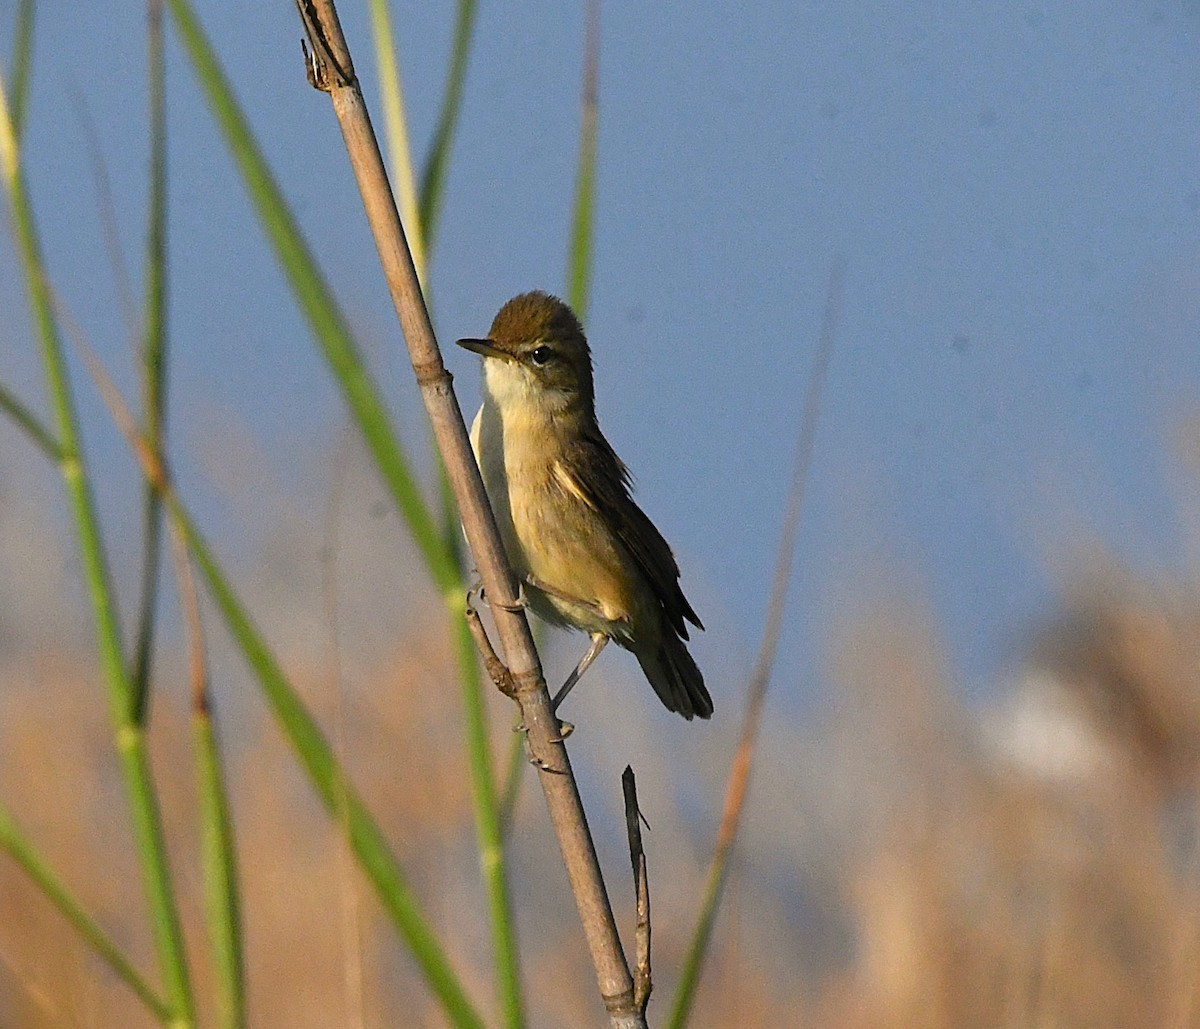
(519, 604)
(476, 592)
(565, 729)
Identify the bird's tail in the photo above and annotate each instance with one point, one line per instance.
(675, 677)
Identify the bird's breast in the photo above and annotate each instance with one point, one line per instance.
(549, 531)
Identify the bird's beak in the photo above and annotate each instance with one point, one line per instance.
(485, 348)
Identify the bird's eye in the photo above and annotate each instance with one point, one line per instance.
(541, 355)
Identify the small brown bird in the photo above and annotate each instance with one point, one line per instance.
(587, 556)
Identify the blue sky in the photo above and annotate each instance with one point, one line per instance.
(1014, 191)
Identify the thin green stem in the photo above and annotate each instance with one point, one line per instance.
(487, 823)
(513, 774)
(395, 126)
(400, 163)
(433, 180)
(580, 249)
(22, 63)
(23, 853)
(130, 740)
(222, 899)
(151, 848)
(154, 354)
(452, 537)
(30, 422)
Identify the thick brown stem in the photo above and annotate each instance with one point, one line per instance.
(331, 69)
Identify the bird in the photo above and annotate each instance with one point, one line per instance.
(585, 555)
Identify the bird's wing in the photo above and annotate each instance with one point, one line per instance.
(592, 471)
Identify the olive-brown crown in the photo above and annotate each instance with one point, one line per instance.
(543, 333)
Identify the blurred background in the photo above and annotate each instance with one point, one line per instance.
(974, 803)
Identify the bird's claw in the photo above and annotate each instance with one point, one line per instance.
(519, 604)
(564, 730)
(476, 592)
(537, 762)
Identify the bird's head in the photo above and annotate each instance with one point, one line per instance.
(536, 351)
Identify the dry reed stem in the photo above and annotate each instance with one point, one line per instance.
(642, 981)
(331, 70)
(189, 603)
(743, 759)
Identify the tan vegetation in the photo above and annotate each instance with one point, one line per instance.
(911, 860)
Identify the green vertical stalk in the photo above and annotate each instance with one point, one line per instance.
(689, 975)
(403, 181)
(395, 125)
(579, 250)
(22, 62)
(218, 855)
(152, 852)
(433, 180)
(487, 822)
(154, 352)
(222, 901)
(130, 738)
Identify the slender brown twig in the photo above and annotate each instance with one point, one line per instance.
(756, 692)
(331, 69)
(189, 605)
(642, 982)
(106, 209)
(739, 777)
(501, 677)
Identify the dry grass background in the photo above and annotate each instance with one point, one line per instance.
(909, 859)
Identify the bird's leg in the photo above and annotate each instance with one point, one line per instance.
(599, 640)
